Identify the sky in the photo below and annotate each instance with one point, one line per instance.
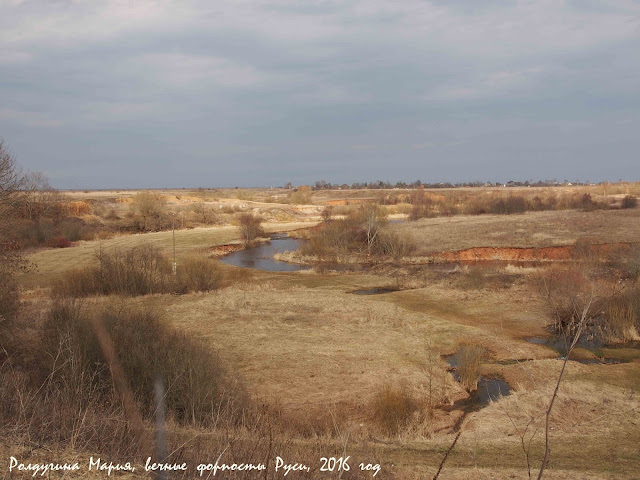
(189, 93)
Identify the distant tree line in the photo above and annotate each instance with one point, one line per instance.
(380, 185)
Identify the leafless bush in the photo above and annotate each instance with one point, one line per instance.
(565, 290)
(363, 231)
(150, 208)
(394, 245)
(198, 387)
(250, 227)
(509, 205)
(11, 262)
(629, 201)
(301, 195)
(604, 310)
(327, 213)
(141, 270)
(198, 274)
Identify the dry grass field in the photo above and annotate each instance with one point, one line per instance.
(306, 345)
(319, 356)
(50, 263)
(531, 229)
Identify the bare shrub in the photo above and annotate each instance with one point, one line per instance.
(508, 206)
(198, 387)
(565, 290)
(470, 358)
(198, 274)
(583, 202)
(629, 201)
(301, 195)
(150, 207)
(393, 408)
(604, 310)
(363, 231)
(9, 304)
(250, 227)
(11, 262)
(141, 270)
(422, 205)
(327, 213)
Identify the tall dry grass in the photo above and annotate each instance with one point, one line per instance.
(393, 408)
(141, 270)
(470, 358)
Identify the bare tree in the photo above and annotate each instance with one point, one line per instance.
(38, 197)
(11, 179)
(374, 219)
(250, 227)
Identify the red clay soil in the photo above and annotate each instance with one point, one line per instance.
(561, 253)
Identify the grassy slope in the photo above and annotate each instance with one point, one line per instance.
(314, 347)
(306, 344)
(533, 229)
(50, 263)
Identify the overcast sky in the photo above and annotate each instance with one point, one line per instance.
(100, 94)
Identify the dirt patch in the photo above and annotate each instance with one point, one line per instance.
(536, 254)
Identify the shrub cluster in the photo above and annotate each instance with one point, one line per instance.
(197, 386)
(250, 227)
(611, 315)
(363, 231)
(141, 270)
(425, 205)
(629, 201)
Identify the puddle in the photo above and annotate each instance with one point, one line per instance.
(261, 256)
(490, 388)
(374, 291)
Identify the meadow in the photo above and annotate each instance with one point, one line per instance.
(327, 372)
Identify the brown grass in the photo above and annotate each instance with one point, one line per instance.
(52, 263)
(393, 408)
(534, 229)
(470, 358)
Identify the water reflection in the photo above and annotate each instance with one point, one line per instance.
(261, 256)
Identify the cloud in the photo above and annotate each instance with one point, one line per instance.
(263, 89)
(29, 119)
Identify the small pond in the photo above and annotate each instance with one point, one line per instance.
(261, 256)
(489, 388)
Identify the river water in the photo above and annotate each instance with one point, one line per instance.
(261, 256)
